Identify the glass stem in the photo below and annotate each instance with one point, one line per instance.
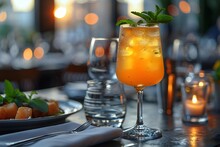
(140, 94)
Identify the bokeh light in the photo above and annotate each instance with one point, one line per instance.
(99, 52)
(60, 12)
(3, 16)
(27, 54)
(91, 18)
(173, 10)
(184, 6)
(22, 5)
(39, 52)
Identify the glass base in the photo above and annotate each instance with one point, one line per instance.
(141, 133)
(114, 122)
(195, 119)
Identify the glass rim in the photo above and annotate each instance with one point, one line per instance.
(141, 25)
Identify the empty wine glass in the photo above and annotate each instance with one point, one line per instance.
(102, 58)
(105, 102)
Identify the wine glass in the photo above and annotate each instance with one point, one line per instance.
(140, 64)
(102, 58)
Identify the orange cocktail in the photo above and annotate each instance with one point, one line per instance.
(139, 58)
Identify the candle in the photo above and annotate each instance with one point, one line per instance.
(195, 106)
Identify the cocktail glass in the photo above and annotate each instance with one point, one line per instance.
(140, 64)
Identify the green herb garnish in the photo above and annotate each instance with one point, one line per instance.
(216, 72)
(18, 97)
(147, 17)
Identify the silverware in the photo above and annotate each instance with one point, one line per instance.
(32, 139)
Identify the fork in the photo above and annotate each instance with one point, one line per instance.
(24, 141)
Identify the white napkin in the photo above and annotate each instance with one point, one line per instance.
(91, 136)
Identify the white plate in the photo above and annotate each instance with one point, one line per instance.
(70, 107)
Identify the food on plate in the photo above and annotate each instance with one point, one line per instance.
(10, 110)
(17, 105)
(53, 107)
(23, 113)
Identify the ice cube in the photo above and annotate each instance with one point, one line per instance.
(138, 41)
(154, 42)
(126, 52)
(156, 51)
(126, 32)
(154, 33)
(132, 42)
(144, 42)
(128, 63)
(138, 32)
(144, 54)
(124, 63)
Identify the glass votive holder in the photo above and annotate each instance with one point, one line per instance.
(194, 100)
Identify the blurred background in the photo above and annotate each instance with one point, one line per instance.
(45, 43)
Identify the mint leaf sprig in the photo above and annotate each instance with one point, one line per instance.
(18, 97)
(147, 17)
(216, 71)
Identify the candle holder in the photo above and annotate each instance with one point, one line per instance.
(194, 100)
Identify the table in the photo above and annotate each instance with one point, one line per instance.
(175, 132)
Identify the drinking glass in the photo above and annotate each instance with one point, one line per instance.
(102, 58)
(140, 64)
(194, 99)
(105, 102)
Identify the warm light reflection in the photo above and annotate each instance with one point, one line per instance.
(195, 137)
(184, 6)
(135, 5)
(39, 52)
(60, 12)
(202, 74)
(173, 10)
(171, 78)
(22, 5)
(91, 18)
(27, 54)
(201, 83)
(99, 51)
(194, 99)
(3, 16)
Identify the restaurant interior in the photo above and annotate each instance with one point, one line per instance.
(46, 43)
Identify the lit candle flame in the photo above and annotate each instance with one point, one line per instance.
(194, 99)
